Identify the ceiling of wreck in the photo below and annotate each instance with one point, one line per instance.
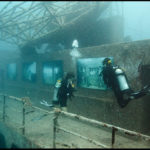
(25, 22)
(22, 22)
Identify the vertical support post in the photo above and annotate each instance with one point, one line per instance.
(23, 119)
(4, 101)
(54, 127)
(54, 130)
(113, 136)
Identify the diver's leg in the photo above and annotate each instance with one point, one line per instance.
(140, 93)
(63, 104)
(122, 101)
(56, 104)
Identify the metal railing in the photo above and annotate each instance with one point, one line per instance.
(23, 110)
(100, 124)
(26, 101)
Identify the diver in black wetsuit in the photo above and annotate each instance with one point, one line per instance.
(115, 78)
(66, 90)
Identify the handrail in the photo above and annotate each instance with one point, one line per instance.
(83, 137)
(24, 101)
(132, 133)
(114, 128)
(56, 113)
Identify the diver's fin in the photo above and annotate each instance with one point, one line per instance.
(146, 89)
(45, 103)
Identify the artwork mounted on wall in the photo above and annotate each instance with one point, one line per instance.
(52, 71)
(29, 71)
(89, 73)
(12, 71)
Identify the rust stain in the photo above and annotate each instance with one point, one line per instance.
(105, 125)
(115, 129)
(77, 117)
(129, 134)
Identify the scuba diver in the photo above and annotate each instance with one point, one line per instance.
(116, 79)
(65, 91)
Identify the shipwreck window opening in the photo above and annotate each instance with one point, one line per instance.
(11, 71)
(29, 72)
(52, 71)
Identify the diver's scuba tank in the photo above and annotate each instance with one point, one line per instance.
(121, 79)
(57, 86)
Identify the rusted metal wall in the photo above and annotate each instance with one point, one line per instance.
(96, 104)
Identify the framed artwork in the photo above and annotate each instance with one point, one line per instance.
(89, 73)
